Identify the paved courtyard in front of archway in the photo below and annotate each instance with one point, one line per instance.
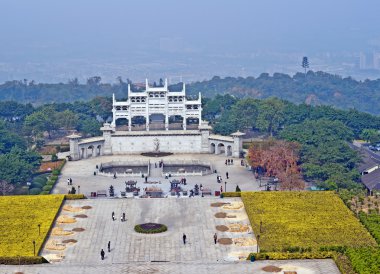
(82, 172)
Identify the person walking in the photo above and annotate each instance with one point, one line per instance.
(124, 216)
(109, 246)
(71, 181)
(102, 254)
(215, 238)
(113, 216)
(227, 175)
(68, 182)
(184, 238)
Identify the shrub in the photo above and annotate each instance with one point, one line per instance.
(238, 189)
(55, 172)
(45, 192)
(22, 260)
(50, 183)
(150, 228)
(53, 178)
(36, 185)
(230, 194)
(35, 191)
(54, 158)
(47, 188)
(40, 179)
(74, 196)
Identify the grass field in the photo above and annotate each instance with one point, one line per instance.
(19, 219)
(303, 220)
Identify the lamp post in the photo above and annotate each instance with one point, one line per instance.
(39, 229)
(78, 189)
(28, 184)
(258, 238)
(34, 248)
(225, 186)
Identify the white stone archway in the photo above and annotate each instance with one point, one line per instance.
(90, 151)
(220, 149)
(229, 151)
(212, 148)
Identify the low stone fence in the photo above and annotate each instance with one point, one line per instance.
(124, 164)
(187, 163)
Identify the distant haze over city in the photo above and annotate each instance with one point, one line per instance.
(53, 41)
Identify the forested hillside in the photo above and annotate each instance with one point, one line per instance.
(315, 88)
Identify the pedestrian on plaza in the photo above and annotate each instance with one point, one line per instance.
(184, 181)
(102, 254)
(221, 188)
(71, 181)
(184, 238)
(227, 175)
(226, 162)
(121, 218)
(215, 238)
(232, 161)
(124, 216)
(146, 179)
(113, 216)
(109, 246)
(155, 165)
(68, 182)
(114, 175)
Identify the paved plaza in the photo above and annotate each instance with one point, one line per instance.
(301, 266)
(82, 172)
(132, 252)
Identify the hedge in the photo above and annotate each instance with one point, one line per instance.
(56, 172)
(47, 188)
(35, 191)
(23, 260)
(140, 229)
(74, 196)
(36, 185)
(45, 192)
(40, 179)
(230, 194)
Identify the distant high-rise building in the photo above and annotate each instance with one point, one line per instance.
(376, 60)
(362, 61)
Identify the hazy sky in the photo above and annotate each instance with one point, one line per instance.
(43, 31)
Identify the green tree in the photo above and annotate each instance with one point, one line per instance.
(66, 119)
(271, 115)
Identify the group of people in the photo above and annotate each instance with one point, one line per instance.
(229, 162)
(102, 253)
(69, 182)
(184, 238)
(183, 181)
(122, 217)
(160, 164)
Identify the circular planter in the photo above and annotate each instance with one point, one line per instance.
(150, 228)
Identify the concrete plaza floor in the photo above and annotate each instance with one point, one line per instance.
(132, 252)
(82, 171)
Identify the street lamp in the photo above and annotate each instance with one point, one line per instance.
(39, 229)
(34, 248)
(28, 184)
(78, 189)
(225, 186)
(258, 238)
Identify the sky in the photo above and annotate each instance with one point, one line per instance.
(135, 33)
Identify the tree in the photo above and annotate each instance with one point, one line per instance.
(66, 119)
(270, 115)
(6, 187)
(370, 135)
(305, 63)
(278, 159)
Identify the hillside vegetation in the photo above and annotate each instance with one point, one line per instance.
(316, 88)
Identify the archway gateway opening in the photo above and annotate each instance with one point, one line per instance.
(138, 123)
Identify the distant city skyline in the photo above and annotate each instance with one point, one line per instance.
(56, 41)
